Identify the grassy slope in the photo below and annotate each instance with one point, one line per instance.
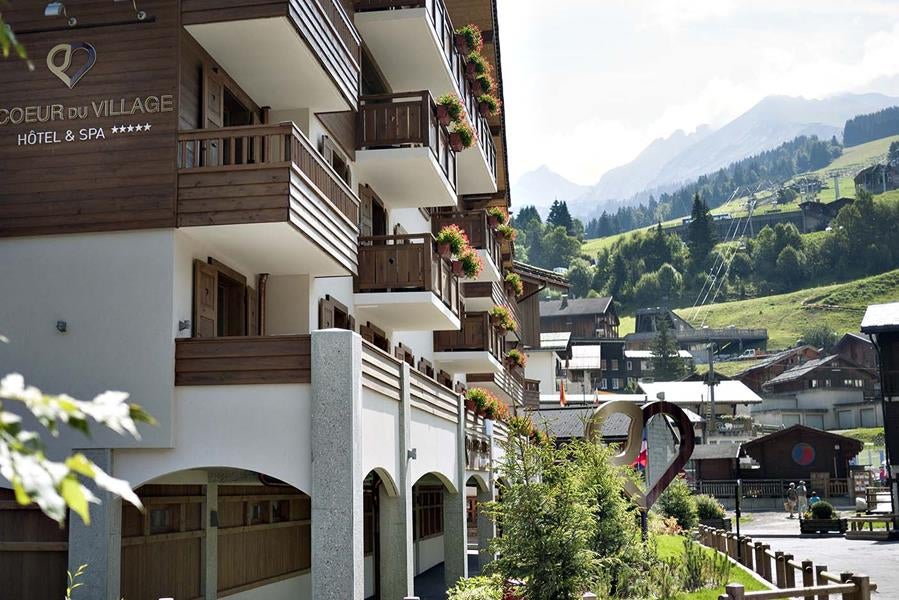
(852, 160)
(671, 546)
(840, 305)
(729, 368)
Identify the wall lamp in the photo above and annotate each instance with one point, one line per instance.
(412, 454)
(141, 15)
(58, 9)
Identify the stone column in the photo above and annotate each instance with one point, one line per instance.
(397, 560)
(98, 545)
(455, 530)
(337, 561)
(486, 526)
(211, 548)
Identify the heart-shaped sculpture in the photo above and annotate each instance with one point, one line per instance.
(67, 50)
(639, 418)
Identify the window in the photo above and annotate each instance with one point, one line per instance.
(332, 314)
(336, 158)
(604, 364)
(428, 512)
(375, 336)
(629, 366)
(596, 382)
(259, 513)
(813, 383)
(616, 383)
(163, 519)
(614, 364)
(828, 383)
(631, 381)
(645, 365)
(604, 384)
(280, 511)
(223, 303)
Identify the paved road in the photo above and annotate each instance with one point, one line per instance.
(878, 560)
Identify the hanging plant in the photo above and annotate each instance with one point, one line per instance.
(469, 39)
(476, 400)
(472, 265)
(451, 240)
(514, 284)
(461, 136)
(495, 216)
(499, 316)
(449, 109)
(488, 104)
(506, 232)
(516, 358)
(485, 82)
(476, 65)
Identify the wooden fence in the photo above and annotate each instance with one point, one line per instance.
(794, 579)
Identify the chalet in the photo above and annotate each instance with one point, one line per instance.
(877, 179)
(585, 318)
(857, 348)
(715, 461)
(825, 393)
(638, 363)
(800, 453)
(773, 365)
(250, 252)
(816, 216)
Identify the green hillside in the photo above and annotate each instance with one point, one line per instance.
(845, 166)
(785, 316)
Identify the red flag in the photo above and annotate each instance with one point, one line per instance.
(562, 401)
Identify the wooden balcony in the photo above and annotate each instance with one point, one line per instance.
(316, 38)
(403, 151)
(532, 393)
(403, 284)
(263, 194)
(243, 360)
(413, 44)
(480, 235)
(484, 295)
(476, 348)
(507, 384)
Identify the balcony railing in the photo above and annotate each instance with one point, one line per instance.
(495, 292)
(439, 18)
(476, 334)
(402, 263)
(243, 360)
(474, 224)
(399, 120)
(532, 393)
(255, 146)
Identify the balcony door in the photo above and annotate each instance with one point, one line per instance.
(223, 303)
(372, 214)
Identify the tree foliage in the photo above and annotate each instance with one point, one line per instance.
(560, 217)
(667, 364)
(700, 232)
(872, 126)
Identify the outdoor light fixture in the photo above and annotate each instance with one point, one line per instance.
(55, 9)
(183, 325)
(62, 326)
(141, 15)
(412, 453)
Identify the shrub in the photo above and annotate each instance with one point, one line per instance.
(708, 507)
(477, 588)
(480, 64)
(453, 104)
(514, 281)
(464, 131)
(471, 33)
(677, 501)
(522, 426)
(455, 237)
(822, 510)
(472, 265)
(491, 101)
(498, 213)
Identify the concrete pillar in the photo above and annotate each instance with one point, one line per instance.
(337, 561)
(486, 526)
(455, 529)
(211, 543)
(397, 559)
(98, 545)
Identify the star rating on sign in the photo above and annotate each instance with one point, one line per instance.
(131, 128)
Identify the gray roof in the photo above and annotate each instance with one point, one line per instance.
(800, 370)
(570, 422)
(774, 358)
(554, 340)
(577, 306)
(880, 317)
(716, 451)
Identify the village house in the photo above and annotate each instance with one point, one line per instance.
(877, 179)
(585, 318)
(756, 375)
(251, 256)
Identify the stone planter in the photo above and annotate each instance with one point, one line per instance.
(822, 526)
(725, 523)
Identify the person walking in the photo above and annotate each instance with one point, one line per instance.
(801, 493)
(792, 498)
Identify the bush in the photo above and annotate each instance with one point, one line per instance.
(822, 510)
(677, 501)
(476, 588)
(708, 507)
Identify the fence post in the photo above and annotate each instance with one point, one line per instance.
(735, 591)
(746, 553)
(846, 577)
(789, 571)
(766, 561)
(732, 545)
(808, 573)
(779, 569)
(759, 558)
(819, 580)
(862, 587)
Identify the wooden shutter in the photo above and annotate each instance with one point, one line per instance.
(205, 305)
(252, 312)
(366, 223)
(326, 313)
(213, 114)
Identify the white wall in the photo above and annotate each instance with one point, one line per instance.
(295, 588)
(428, 553)
(380, 434)
(435, 440)
(287, 305)
(542, 365)
(114, 290)
(264, 428)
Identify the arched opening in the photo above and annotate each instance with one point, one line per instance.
(438, 534)
(481, 529)
(216, 531)
(377, 489)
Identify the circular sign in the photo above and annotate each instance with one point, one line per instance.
(803, 454)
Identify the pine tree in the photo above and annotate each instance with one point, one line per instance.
(701, 236)
(666, 362)
(559, 216)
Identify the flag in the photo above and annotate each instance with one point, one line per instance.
(595, 397)
(562, 401)
(641, 460)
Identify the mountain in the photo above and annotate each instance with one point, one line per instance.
(541, 186)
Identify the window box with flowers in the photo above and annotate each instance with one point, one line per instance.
(471, 263)
(506, 232)
(516, 358)
(462, 136)
(476, 66)
(496, 217)
(488, 105)
(449, 109)
(451, 241)
(514, 285)
(501, 318)
(468, 39)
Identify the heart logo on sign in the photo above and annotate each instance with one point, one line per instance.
(67, 50)
(639, 418)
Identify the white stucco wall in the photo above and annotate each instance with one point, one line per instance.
(295, 588)
(263, 428)
(380, 434)
(287, 305)
(114, 291)
(435, 440)
(428, 553)
(542, 366)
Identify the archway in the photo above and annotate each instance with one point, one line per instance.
(216, 531)
(377, 489)
(438, 534)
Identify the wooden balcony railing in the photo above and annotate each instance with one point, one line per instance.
(255, 146)
(474, 224)
(532, 393)
(476, 334)
(342, 25)
(443, 28)
(398, 120)
(243, 360)
(496, 292)
(402, 263)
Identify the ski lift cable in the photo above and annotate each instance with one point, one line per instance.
(715, 269)
(726, 271)
(714, 277)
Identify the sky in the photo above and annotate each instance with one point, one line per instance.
(590, 83)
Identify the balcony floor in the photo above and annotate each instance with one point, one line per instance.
(491, 271)
(467, 361)
(475, 176)
(405, 311)
(405, 177)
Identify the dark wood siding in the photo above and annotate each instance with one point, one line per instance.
(529, 309)
(125, 181)
(244, 359)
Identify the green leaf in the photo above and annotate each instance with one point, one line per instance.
(138, 414)
(81, 465)
(21, 495)
(73, 494)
